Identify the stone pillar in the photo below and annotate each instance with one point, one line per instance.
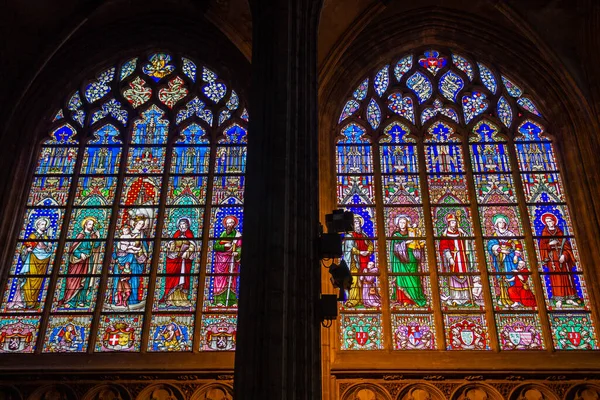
(278, 339)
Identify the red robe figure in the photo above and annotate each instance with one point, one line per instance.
(520, 292)
(180, 254)
(557, 255)
(357, 253)
(454, 257)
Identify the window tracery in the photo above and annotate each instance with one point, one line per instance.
(133, 224)
(462, 233)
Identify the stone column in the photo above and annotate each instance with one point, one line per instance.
(278, 339)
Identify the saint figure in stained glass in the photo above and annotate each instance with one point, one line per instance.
(519, 292)
(370, 292)
(159, 66)
(358, 252)
(181, 252)
(406, 257)
(228, 251)
(67, 337)
(130, 258)
(506, 254)
(171, 333)
(170, 337)
(83, 256)
(454, 254)
(505, 251)
(26, 291)
(557, 256)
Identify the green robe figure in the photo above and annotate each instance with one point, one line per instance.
(405, 258)
(83, 256)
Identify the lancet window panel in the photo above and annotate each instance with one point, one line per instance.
(463, 238)
(132, 232)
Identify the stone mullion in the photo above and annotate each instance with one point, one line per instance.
(205, 241)
(157, 242)
(530, 244)
(381, 240)
(60, 244)
(103, 286)
(479, 245)
(278, 328)
(430, 241)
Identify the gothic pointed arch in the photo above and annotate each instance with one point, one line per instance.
(131, 236)
(463, 237)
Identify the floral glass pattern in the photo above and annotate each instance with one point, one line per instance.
(487, 78)
(402, 66)
(382, 80)
(462, 64)
(361, 91)
(403, 106)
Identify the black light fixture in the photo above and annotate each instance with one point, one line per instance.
(339, 221)
(331, 256)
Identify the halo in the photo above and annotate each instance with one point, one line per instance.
(186, 219)
(233, 217)
(89, 218)
(402, 216)
(360, 218)
(499, 217)
(409, 213)
(549, 215)
(48, 222)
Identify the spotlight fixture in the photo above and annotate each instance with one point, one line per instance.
(339, 221)
(331, 255)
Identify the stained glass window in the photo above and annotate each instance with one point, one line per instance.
(132, 232)
(356, 193)
(462, 235)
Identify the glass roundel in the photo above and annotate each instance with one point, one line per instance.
(132, 231)
(462, 235)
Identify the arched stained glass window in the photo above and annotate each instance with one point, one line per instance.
(132, 232)
(462, 235)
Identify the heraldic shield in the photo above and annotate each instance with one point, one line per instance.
(221, 340)
(17, 337)
(119, 337)
(362, 337)
(520, 338)
(467, 336)
(574, 338)
(415, 335)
